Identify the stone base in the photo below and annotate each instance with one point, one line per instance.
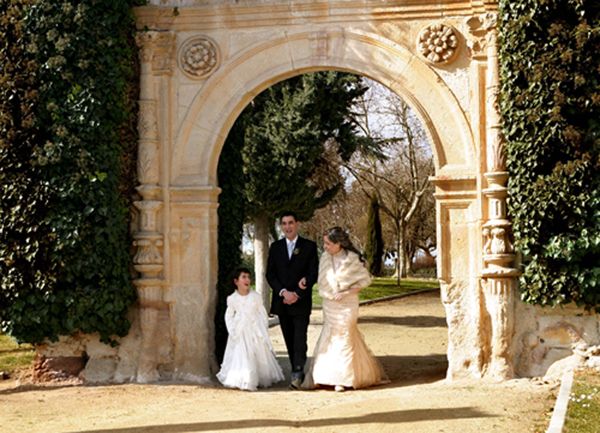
(546, 336)
(57, 368)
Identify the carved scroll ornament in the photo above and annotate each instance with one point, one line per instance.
(156, 50)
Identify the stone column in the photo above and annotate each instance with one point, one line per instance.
(499, 277)
(192, 293)
(156, 50)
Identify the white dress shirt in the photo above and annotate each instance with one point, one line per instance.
(290, 246)
(290, 250)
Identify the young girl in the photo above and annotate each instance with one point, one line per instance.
(249, 360)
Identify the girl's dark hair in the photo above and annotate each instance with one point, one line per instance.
(337, 235)
(236, 274)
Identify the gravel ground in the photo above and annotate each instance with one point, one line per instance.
(408, 335)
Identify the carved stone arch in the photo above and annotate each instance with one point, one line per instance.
(221, 98)
(226, 93)
(202, 62)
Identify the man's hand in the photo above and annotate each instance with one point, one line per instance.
(302, 283)
(289, 297)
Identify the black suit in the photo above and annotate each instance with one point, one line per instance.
(286, 273)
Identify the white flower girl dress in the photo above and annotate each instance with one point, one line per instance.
(249, 361)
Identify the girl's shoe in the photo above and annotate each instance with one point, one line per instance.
(339, 388)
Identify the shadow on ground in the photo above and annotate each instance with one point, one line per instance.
(410, 321)
(392, 417)
(411, 370)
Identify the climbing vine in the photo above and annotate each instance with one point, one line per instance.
(68, 86)
(550, 102)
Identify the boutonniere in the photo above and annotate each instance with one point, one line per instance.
(296, 251)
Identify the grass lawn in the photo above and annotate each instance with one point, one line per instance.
(382, 287)
(583, 412)
(14, 356)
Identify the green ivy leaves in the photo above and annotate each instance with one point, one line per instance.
(550, 102)
(68, 88)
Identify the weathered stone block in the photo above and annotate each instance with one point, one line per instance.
(51, 368)
(99, 370)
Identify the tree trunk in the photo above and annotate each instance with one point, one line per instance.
(398, 253)
(374, 247)
(407, 263)
(261, 253)
(402, 259)
(403, 248)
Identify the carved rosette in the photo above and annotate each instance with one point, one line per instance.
(199, 57)
(438, 43)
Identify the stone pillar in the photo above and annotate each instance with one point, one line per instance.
(192, 293)
(458, 267)
(499, 277)
(156, 50)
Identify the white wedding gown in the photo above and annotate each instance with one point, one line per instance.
(249, 361)
(341, 356)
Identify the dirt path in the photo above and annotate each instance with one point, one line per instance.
(408, 336)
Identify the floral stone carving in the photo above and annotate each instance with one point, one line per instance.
(438, 43)
(199, 57)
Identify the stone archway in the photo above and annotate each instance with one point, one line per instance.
(202, 62)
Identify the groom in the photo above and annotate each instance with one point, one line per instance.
(292, 270)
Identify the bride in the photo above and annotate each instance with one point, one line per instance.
(341, 358)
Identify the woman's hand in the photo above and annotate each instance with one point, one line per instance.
(338, 296)
(351, 291)
(354, 290)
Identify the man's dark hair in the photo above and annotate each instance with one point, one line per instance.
(288, 213)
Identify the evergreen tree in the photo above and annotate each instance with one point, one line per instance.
(289, 138)
(287, 129)
(374, 247)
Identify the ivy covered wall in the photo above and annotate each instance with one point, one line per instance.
(68, 89)
(550, 102)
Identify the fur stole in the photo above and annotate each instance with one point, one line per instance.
(351, 272)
